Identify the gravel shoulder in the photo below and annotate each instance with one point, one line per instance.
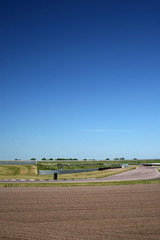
(129, 212)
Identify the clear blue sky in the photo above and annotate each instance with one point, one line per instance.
(79, 79)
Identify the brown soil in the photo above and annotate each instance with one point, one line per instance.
(104, 212)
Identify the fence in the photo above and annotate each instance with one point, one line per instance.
(51, 172)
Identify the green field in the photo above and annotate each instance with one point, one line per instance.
(72, 165)
(53, 165)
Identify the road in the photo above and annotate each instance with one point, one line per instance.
(140, 173)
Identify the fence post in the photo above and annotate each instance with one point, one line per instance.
(55, 176)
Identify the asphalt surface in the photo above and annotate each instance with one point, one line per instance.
(140, 173)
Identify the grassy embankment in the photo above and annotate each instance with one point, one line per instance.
(18, 171)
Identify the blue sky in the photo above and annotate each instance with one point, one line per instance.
(79, 79)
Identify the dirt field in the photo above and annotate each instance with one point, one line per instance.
(103, 212)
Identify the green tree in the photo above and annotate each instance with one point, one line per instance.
(43, 159)
(33, 158)
(51, 159)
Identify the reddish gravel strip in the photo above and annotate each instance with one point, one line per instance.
(129, 212)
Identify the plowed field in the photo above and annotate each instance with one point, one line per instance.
(103, 212)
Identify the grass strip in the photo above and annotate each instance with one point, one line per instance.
(56, 184)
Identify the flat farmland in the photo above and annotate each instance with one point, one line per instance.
(95, 212)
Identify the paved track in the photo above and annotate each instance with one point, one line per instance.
(141, 173)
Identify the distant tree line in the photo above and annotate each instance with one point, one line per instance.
(75, 159)
(51, 159)
(121, 159)
(66, 159)
(58, 159)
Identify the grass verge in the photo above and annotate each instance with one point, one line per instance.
(56, 184)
